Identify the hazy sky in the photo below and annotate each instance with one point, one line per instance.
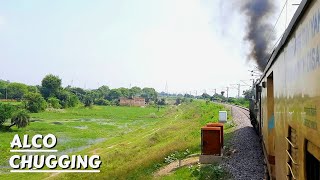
(190, 44)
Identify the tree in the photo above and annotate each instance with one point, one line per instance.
(3, 88)
(149, 94)
(35, 102)
(6, 111)
(79, 92)
(50, 85)
(188, 96)
(218, 97)
(103, 91)
(124, 92)
(94, 94)
(135, 91)
(114, 94)
(33, 89)
(20, 119)
(222, 93)
(248, 94)
(67, 99)
(205, 96)
(16, 90)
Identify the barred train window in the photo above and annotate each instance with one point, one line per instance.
(292, 154)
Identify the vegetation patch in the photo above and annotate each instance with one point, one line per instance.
(132, 142)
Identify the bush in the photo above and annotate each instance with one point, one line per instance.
(162, 101)
(102, 102)
(211, 171)
(6, 111)
(54, 103)
(20, 119)
(73, 101)
(67, 99)
(178, 101)
(35, 102)
(87, 101)
(115, 102)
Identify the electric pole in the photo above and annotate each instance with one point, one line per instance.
(227, 93)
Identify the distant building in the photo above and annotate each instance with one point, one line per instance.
(136, 101)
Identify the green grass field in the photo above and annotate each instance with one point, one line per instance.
(132, 142)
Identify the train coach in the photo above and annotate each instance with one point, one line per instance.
(286, 108)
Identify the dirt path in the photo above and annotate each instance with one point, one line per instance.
(174, 165)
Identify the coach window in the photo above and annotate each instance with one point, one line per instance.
(312, 161)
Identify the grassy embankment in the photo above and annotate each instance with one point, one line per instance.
(132, 142)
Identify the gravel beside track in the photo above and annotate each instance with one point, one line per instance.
(247, 161)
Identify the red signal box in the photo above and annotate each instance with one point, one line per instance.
(211, 141)
(220, 125)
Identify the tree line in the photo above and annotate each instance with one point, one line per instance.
(51, 94)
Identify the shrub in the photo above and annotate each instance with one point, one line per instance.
(162, 101)
(115, 102)
(87, 101)
(35, 102)
(54, 103)
(67, 99)
(102, 102)
(20, 119)
(178, 101)
(6, 111)
(211, 171)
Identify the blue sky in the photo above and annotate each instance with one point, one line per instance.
(193, 45)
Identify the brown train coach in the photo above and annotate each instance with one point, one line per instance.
(286, 107)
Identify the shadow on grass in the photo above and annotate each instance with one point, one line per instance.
(7, 129)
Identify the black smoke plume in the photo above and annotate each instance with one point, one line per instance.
(259, 30)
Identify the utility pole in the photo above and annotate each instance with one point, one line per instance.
(227, 93)
(166, 88)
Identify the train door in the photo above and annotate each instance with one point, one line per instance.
(271, 124)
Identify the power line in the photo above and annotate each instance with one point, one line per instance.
(274, 26)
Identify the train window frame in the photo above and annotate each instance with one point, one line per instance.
(312, 161)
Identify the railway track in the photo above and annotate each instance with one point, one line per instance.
(248, 161)
(244, 110)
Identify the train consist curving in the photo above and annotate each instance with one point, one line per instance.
(285, 109)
